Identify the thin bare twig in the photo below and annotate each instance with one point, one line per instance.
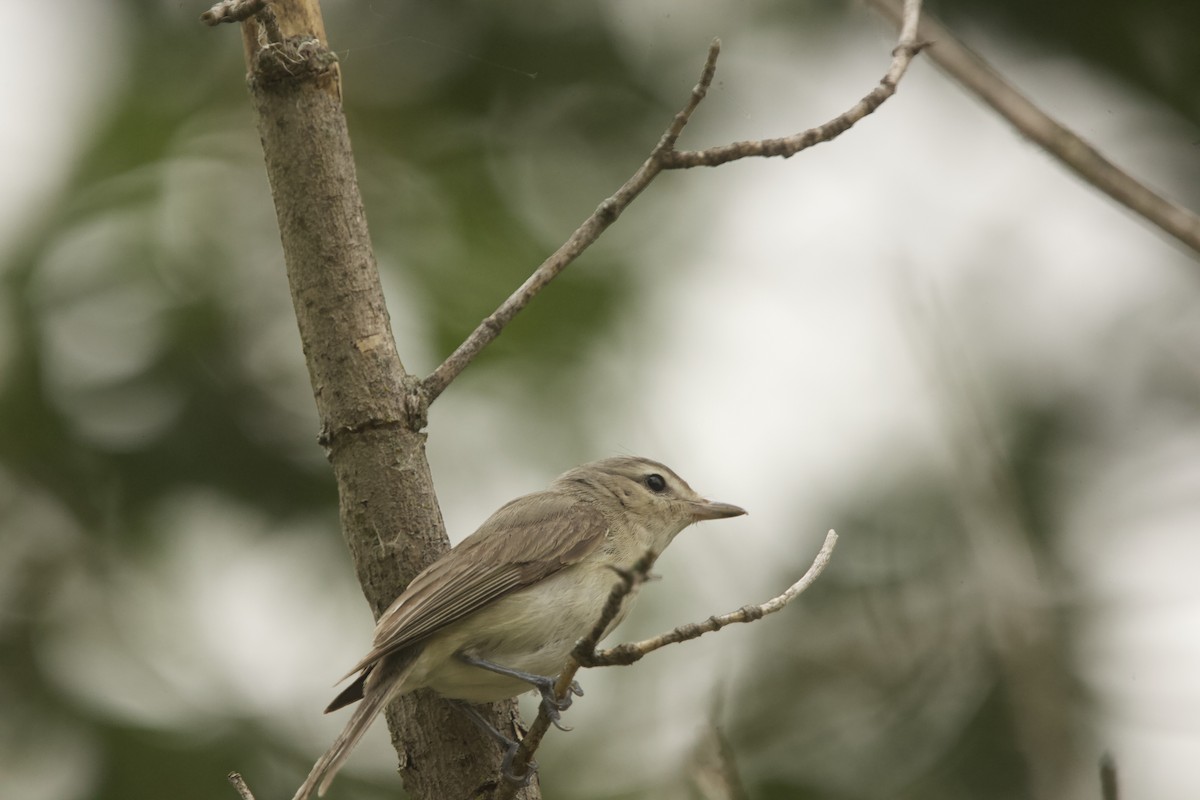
(506, 789)
(239, 785)
(699, 92)
(665, 156)
(970, 70)
(232, 11)
(243, 10)
(624, 654)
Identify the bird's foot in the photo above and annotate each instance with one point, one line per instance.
(554, 705)
(506, 768)
(551, 704)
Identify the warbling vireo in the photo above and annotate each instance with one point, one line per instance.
(500, 613)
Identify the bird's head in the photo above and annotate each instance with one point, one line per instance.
(646, 492)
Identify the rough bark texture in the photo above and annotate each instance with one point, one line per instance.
(371, 411)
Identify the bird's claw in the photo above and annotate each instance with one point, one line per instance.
(506, 768)
(554, 705)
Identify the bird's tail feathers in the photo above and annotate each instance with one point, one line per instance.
(374, 701)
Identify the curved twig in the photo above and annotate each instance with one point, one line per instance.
(902, 55)
(624, 654)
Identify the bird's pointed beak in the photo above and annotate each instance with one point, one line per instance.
(708, 509)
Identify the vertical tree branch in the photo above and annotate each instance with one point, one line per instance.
(371, 414)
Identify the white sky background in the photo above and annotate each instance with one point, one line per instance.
(780, 362)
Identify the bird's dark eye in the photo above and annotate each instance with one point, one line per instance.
(655, 482)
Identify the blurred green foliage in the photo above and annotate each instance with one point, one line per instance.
(152, 353)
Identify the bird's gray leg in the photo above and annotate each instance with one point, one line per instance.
(510, 746)
(544, 685)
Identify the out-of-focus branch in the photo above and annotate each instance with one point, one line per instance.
(1108, 778)
(713, 772)
(969, 69)
(665, 156)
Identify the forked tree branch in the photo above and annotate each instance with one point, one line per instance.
(902, 55)
(665, 156)
(605, 215)
(586, 655)
(969, 69)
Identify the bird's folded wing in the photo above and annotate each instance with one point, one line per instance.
(525, 541)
